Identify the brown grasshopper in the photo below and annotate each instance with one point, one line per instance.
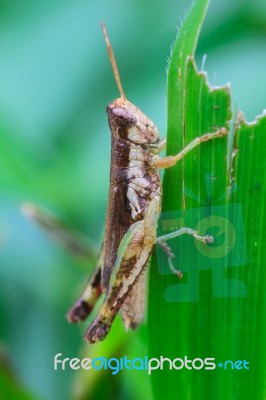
(134, 206)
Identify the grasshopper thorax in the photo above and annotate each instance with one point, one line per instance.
(129, 123)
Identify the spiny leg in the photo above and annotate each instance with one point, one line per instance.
(166, 162)
(119, 285)
(169, 161)
(161, 241)
(132, 257)
(83, 307)
(170, 256)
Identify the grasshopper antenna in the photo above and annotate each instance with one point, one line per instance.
(113, 62)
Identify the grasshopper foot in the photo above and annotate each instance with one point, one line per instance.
(96, 332)
(79, 312)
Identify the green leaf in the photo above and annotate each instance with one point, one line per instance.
(184, 46)
(218, 309)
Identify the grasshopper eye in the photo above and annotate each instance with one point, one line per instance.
(122, 117)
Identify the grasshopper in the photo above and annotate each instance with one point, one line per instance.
(134, 206)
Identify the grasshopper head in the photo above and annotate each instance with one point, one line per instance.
(126, 120)
(130, 123)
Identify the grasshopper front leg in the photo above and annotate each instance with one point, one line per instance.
(133, 254)
(170, 161)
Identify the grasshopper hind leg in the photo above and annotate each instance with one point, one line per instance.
(133, 308)
(83, 307)
(133, 254)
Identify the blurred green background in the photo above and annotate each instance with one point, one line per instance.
(55, 83)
